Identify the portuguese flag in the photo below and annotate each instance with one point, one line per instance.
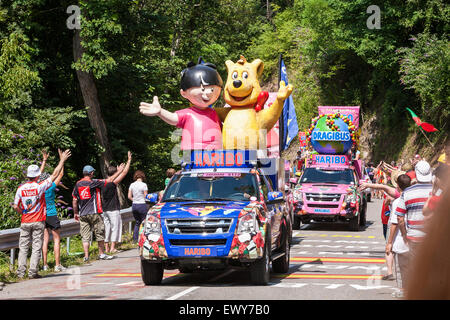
(428, 127)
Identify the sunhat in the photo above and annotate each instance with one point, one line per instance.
(33, 171)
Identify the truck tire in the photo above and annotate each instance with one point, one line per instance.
(260, 269)
(152, 273)
(354, 223)
(296, 223)
(281, 265)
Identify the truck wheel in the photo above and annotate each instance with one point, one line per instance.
(281, 265)
(260, 270)
(152, 273)
(354, 223)
(296, 223)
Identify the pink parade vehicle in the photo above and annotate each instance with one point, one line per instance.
(328, 187)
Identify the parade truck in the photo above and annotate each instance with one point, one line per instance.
(222, 210)
(327, 190)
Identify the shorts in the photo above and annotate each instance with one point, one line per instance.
(92, 223)
(52, 223)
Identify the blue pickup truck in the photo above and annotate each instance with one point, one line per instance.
(219, 211)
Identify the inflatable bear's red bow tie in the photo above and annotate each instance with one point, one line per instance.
(261, 100)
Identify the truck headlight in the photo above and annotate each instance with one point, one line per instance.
(247, 223)
(298, 196)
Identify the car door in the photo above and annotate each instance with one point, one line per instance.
(275, 210)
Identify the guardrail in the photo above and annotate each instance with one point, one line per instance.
(9, 239)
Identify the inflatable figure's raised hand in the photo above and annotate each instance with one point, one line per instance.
(284, 91)
(201, 85)
(150, 109)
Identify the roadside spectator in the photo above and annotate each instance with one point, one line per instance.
(354, 152)
(438, 185)
(52, 223)
(136, 193)
(430, 270)
(390, 194)
(410, 208)
(169, 173)
(111, 207)
(409, 169)
(395, 245)
(29, 202)
(87, 209)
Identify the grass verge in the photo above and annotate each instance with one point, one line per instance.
(73, 258)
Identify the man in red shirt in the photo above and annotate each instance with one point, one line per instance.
(87, 208)
(30, 203)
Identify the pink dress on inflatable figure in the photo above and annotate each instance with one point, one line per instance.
(201, 129)
(201, 84)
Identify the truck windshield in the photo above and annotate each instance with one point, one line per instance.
(315, 175)
(211, 186)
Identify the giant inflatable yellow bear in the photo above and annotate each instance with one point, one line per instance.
(243, 126)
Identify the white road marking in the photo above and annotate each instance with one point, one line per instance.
(340, 241)
(329, 286)
(182, 293)
(131, 283)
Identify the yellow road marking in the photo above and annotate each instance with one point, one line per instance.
(350, 260)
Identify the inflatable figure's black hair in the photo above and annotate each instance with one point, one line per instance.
(201, 73)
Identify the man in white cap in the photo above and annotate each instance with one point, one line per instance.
(30, 203)
(411, 204)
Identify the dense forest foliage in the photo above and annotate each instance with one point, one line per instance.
(127, 51)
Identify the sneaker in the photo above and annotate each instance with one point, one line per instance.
(85, 260)
(59, 268)
(105, 257)
(398, 294)
(388, 277)
(45, 268)
(34, 276)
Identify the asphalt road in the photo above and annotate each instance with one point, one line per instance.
(328, 262)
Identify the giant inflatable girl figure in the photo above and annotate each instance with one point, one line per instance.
(201, 84)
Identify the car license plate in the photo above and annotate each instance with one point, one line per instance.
(322, 210)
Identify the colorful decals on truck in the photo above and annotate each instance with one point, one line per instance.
(245, 246)
(151, 245)
(201, 211)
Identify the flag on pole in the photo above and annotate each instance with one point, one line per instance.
(289, 117)
(428, 127)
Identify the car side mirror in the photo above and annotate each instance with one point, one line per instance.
(275, 197)
(151, 198)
